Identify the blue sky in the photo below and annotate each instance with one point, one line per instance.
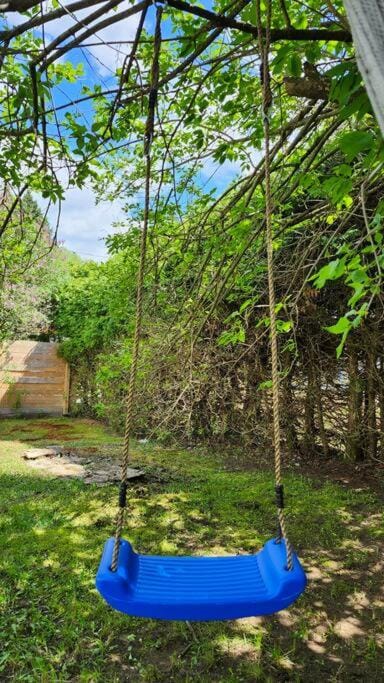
(84, 224)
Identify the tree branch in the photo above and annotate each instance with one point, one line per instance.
(276, 33)
(75, 28)
(219, 20)
(40, 19)
(113, 19)
(285, 14)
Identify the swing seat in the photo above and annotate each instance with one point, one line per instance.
(199, 588)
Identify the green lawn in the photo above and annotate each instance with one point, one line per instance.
(55, 627)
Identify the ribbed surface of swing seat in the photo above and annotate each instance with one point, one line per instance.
(200, 588)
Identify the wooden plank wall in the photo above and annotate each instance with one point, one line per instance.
(33, 379)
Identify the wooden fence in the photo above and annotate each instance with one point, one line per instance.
(33, 379)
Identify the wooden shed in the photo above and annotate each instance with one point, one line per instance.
(33, 379)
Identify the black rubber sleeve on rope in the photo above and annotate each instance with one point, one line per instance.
(279, 490)
(123, 494)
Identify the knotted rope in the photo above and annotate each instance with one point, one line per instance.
(148, 137)
(264, 43)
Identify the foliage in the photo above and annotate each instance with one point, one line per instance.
(205, 371)
(31, 268)
(95, 305)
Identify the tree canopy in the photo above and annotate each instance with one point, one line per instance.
(206, 281)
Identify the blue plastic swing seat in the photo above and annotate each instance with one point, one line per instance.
(200, 588)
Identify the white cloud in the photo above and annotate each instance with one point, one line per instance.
(105, 58)
(84, 225)
(108, 58)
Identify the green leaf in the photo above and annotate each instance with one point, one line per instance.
(337, 188)
(342, 325)
(343, 170)
(294, 65)
(331, 271)
(279, 62)
(284, 325)
(340, 347)
(356, 142)
(265, 385)
(246, 305)
(358, 293)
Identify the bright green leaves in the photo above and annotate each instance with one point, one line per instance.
(355, 142)
(247, 318)
(287, 61)
(279, 62)
(29, 271)
(294, 65)
(359, 270)
(66, 71)
(345, 82)
(354, 272)
(343, 170)
(345, 324)
(358, 107)
(358, 147)
(96, 304)
(337, 188)
(284, 326)
(236, 335)
(85, 141)
(331, 271)
(32, 147)
(342, 325)
(199, 138)
(225, 152)
(348, 90)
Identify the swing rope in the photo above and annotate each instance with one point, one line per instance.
(148, 137)
(264, 43)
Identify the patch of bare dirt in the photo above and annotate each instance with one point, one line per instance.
(59, 426)
(58, 462)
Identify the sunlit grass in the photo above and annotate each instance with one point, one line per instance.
(55, 627)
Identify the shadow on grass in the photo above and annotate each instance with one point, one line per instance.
(54, 626)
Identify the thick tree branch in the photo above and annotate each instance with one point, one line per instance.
(40, 19)
(17, 5)
(75, 28)
(285, 14)
(276, 34)
(109, 21)
(190, 59)
(219, 20)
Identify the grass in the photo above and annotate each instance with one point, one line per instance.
(55, 627)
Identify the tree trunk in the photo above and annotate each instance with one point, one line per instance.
(371, 422)
(381, 405)
(318, 399)
(289, 414)
(353, 440)
(309, 440)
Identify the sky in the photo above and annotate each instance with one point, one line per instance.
(84, 224)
